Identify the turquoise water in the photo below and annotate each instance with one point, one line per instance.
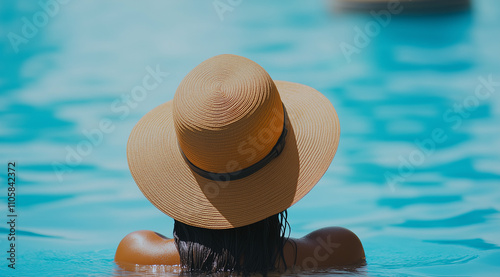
(416, 176)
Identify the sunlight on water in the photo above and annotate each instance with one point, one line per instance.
(416, 175)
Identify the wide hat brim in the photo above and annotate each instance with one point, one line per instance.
(162, 174)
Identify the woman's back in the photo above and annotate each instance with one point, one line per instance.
(323, 248)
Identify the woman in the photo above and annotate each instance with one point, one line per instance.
(225, 158)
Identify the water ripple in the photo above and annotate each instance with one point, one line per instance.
(469, 218)
(473, 243)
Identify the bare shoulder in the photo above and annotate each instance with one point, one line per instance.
(147, 248)
(326, 247)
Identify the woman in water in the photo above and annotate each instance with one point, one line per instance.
(225, 158)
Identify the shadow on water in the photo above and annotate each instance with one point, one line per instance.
(400, 202)
(427, 42)
(31, 123)
(473, 243)
(28, 233)
(469, 218)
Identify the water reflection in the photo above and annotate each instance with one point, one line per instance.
(441, 219)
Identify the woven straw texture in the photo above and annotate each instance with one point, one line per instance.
(226, 115)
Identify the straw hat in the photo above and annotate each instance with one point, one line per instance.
(233, 147)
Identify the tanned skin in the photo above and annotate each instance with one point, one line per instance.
(323, 248)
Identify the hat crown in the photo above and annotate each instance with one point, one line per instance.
(227, 114)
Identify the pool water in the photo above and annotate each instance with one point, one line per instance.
(416, 175)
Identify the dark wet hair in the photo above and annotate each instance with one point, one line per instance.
(255, 248)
